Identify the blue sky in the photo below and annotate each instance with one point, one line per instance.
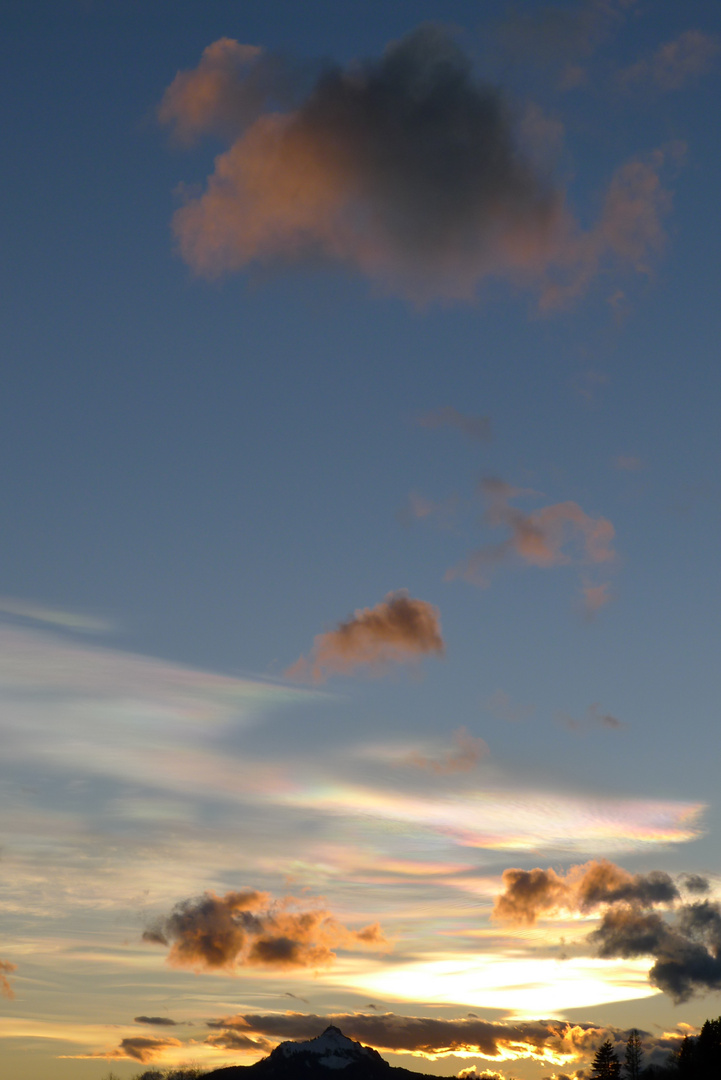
(222, 453)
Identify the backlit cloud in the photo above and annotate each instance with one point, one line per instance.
(555, 1042)
(530, 893)
(247, 928)
(685, 942)
(554, 535)
(407, 168)
(396, 631)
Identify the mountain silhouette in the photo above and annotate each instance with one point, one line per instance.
(330, 1056)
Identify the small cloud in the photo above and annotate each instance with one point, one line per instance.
(216, 933)
(467, 753)
(555, 535)
(156, 1021)
(6, 968)
(695, 883)
(628, 463)
(398, 630)
(595, 597)
(674, 64)
(587, 383)
(419, 508)
(595, 716)
(500, 705)
(477, 428)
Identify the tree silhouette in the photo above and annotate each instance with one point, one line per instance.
(606, 1065)
(633, 1060)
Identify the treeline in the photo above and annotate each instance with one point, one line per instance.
(697, 1058)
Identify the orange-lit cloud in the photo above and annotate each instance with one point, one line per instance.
(212, 933)
(396, 631)
(554, 535)
(475, 427)
(466, 754)
(6, 968)
(675, 63)
(530, 893)
(407, 168)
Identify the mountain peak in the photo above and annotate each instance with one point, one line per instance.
(332, 1049)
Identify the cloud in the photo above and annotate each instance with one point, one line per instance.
(6, 968)
(466, 755)
(556, 1042)
(685, 944)
(628, 463)
(407, 168)
(248, 929)
(530, 893)
(502, 707)
(398, 630)
(675, 63)
(144, 1048)
(475, 427)
(629, 231)
(156, 1021)
(595, 597)
(69, 620)
(687, 954)
(553, 535)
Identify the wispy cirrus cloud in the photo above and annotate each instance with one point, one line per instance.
(399, 630)
(248, 928)
(408, 168)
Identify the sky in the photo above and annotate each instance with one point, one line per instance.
(359, 591)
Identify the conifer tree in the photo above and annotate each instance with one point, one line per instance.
(633, 1061)
(606, 1065)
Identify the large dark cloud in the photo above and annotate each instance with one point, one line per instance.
(684, 942)
(687, 952)
(407, 167)
(248, 928)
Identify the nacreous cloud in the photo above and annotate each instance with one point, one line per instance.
(686, 945)
(215, 933)
(396, 631)
(407, 168)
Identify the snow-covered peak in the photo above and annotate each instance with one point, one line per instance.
(332, 1048)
